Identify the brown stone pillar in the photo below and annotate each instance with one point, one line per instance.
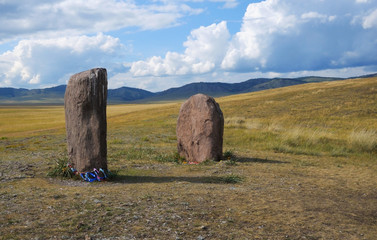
(200, 129)
(85, 116)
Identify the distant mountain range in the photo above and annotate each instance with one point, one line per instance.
(55, 95)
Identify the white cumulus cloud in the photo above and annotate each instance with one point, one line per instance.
(205, 48)
(42, 60)
(261, 21)
(370, 20)
(285, 35)
(75, 17)
(277, 36)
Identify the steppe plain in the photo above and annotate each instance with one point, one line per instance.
(300, 163)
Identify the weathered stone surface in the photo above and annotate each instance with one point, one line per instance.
(85, 115)
(200, 129)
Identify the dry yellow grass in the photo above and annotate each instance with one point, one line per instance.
(24, 121)
(318, 118)
(326, 103)
(364, 139)
(306, 156)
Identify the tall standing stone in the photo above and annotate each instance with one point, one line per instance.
(200, 129)
(85, 115)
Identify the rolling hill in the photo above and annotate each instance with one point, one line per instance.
(55, 95)
(127, 94)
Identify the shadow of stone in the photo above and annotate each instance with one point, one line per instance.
(259, 160)
(167, 179)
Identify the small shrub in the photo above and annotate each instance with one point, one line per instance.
(178, 158)
(230, 158)
(228, 155)
(232, 179)
(61, 169)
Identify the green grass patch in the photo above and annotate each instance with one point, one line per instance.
(170, 157)
(231, 179)
(61, 169)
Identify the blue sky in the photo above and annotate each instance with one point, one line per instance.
(159, 44)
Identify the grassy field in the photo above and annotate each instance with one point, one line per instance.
(301, 164)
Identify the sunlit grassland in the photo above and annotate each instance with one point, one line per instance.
(304, 168)
(24, 121)
(329, 119)
(334, 118)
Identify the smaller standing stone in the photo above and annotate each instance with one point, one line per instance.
(200, 129)
(85, 115)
